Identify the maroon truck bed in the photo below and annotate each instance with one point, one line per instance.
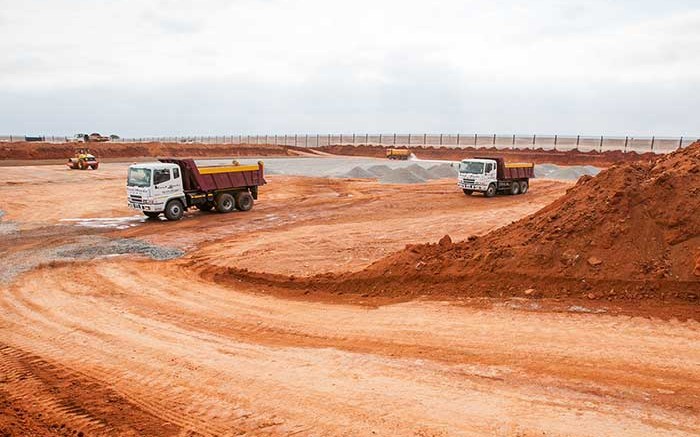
(217, 178)
(512, 171)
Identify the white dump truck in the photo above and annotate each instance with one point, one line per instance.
(172, 185)
(491, 175)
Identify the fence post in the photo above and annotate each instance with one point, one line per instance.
(458, 139)
(441, 139)
(652, 143)
(10, 138)
(578, 140)
(534, 139)
(295, 140)
(680, 143)
(285, 140)
(341, 138)
(601, 144)
(475, 135)
(556, 137)
(329, 139)
(353, 139)
(494, 139)
(513, 141)
(626, 141)
(366, 139)
(425, 139)
(409, 139)
(394, 139)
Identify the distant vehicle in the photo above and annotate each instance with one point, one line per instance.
(85, 138)
(491, 175)
(83, 160)
(171, 186)
(398, 154)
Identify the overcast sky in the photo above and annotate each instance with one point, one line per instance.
(136, 67)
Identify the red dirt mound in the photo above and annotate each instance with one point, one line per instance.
(538, 156)
(631, 232)
(24, 150)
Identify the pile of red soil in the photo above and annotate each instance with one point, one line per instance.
(538, 156)
(631, 232)
(24, 150)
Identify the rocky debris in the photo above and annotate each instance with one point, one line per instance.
(529, 292)
(594, 261)
(445, 242)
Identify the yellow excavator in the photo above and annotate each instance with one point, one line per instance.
(83, 160)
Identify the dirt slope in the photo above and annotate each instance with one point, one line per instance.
(23, 150)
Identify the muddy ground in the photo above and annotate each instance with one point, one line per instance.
(111, 324)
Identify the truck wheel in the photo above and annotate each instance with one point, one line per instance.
(524, 186)
(225, 202)
(174, 210)
(151, 214)
(490, 191)
(244, 201)
(94, 166)
(82, 165)
(467, 192)
(515, 188)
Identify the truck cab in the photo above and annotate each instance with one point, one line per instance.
(151, 186)
(477, 175)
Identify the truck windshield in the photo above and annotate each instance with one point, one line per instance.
(471, 167)
(139, 177)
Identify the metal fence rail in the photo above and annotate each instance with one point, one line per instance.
(546, 142)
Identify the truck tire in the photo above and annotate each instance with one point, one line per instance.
(524, 186)
(151, 214)
(515, 188)
(490, 191)
(225, 202)
(467, 192)
(174, 210)
(82, 165)
(244, 201)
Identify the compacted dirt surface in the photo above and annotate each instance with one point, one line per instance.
(244, 323)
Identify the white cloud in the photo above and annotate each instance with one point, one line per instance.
(363, 50)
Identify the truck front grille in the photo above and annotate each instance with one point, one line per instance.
(136, 199)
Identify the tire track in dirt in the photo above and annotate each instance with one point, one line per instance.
(48, 398)
(211, 369)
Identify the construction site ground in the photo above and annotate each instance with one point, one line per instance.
(111, 324)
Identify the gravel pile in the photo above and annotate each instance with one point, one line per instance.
(411, 174)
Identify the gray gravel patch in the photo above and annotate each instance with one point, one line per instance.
(121, 246)
(83, 248)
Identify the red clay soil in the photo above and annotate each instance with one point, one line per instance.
(538, 156)
(24, 150)
(631, 232)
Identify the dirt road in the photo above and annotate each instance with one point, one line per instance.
(133, 346)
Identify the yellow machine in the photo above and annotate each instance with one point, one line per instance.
(398, 153)
(83, 160)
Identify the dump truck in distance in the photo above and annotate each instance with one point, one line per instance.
(398, 153)
(491, 175)
(171, 186)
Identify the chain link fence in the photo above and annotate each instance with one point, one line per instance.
(545, 142)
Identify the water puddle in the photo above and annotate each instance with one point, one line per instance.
(108, 222)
